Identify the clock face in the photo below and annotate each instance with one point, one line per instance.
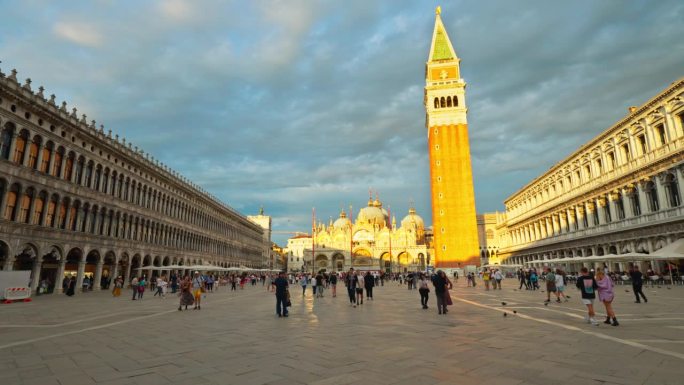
(443, 73)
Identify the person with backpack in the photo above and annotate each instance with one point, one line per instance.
(587, 285)
(550, 284)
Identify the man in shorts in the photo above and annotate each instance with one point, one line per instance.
(587, 286)
(197, 285)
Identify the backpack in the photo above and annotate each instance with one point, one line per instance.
(551, 277)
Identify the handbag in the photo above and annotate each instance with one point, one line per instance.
(288, 303)
(447, 298)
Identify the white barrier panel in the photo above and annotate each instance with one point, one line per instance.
(17, 293)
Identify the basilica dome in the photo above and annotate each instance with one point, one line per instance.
(372, 215)
(342, 222)
(413, 218)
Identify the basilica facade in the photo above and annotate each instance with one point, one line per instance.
(620, 192)
(76, 200)
(371, 242)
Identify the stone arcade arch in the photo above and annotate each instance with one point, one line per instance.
(49, 270)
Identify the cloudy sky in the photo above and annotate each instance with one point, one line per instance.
(298, 104)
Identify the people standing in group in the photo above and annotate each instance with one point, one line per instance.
(197, 289)
(560, 286)
(333, 284)
(606, 295)
(71, 286)
(424, 290)
(134, 287)
(587, 286)
(550, 283)
(186, 297)
(534, 279)
(281, 293)
(350, 280)
(498, 277)
(360, 284)
(369, 283)
(441, 284)
(637, 283)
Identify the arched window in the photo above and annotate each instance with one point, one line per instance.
(88, 174)
(652, 196)
(105, 181)
(448, 101)
(620, 207)
(62, 213)
(436, 102)
(45, 160)
(20, 147)
(98, 176)
(79, 170)
(57, 165)
(6, 141)
(50, 215)
(24, 206)
(442, 102)
(672, 190)
(11, 202)
(33, 152)
(73, 210)
(69, 167)
(38, 211)
(113, 191)
(455, 99)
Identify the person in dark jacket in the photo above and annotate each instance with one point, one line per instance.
(637, 283)
(281, 292)
(350, 281)
(369, 282)
(440, 282)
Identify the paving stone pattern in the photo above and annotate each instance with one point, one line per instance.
(237, 339)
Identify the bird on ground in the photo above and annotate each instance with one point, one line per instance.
(503, 303)
(505, 314)
(515, 312)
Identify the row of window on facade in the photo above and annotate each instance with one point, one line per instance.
(54, 161)
(49, 210)
(597, 167)
(445, 102)
(607, 213)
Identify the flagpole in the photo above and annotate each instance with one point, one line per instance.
(351, 236)
(389, 219)
(313, 239)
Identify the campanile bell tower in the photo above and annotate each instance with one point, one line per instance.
(451, 176)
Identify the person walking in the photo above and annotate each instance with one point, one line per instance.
(369, 283)
(303, 282)
(233, 283)
(637, 283)
(118, 284)
(486, 276)
(440, 282)
(360, 284)
(134, 287)
(560, 286)
(319, 285)
(159, 288)
(606, 295)
(186, 297)
(267, 282)
(71, 286)
(497, 279)
(281, 294)
(587, 286)
(333, 284)
(550, 284)
(424, 291)
(141, 287)
(197, 290)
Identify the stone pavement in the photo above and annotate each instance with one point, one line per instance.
(237, 339)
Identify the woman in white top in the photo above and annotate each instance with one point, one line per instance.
(560, 286)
